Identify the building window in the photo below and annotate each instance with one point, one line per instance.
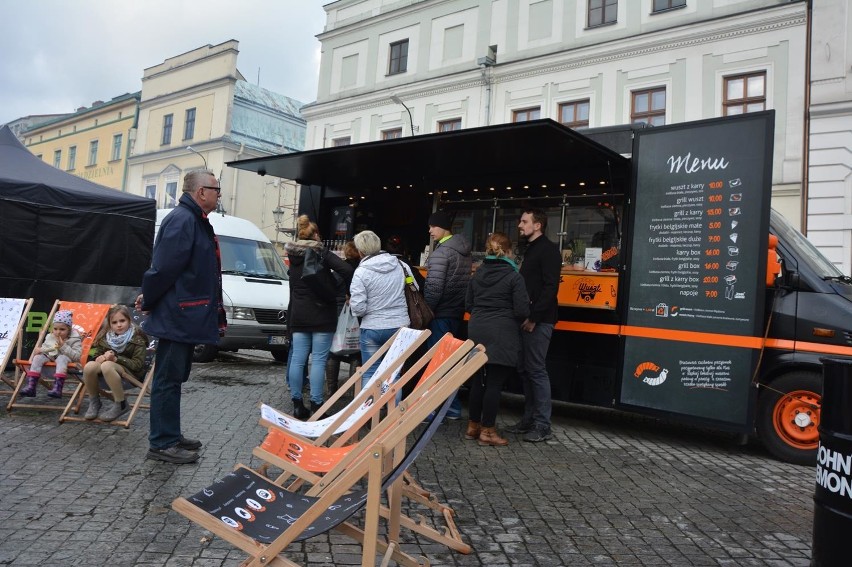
(189, 125)
(57, 159)
(392, 134)
(744, 93)
(526, 114)
(398, 62)
(449, 125)
(151, 190)
(116, 147)
(649, 107)
(167, 130)
(602, 12)
(93, 152)
(345, 141)
(72, 157)
(574, 114)
(662, 5)
(171, 195)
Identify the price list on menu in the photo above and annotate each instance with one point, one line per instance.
(696, 274)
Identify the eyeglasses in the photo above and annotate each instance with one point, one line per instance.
(217, 189)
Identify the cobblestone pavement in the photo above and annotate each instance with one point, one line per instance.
(609, 489)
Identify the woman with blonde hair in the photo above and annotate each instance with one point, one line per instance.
(312, 314)
(498, 303)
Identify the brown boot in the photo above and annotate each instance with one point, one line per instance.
(489, 436)
(473, 430)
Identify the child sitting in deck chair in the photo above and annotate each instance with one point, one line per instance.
(62, 345)
(119, 349)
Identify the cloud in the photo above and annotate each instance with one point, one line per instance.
(59, 55)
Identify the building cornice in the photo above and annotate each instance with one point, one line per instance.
(587, 56)
(187, 92)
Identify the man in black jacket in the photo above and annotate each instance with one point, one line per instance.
(541, 272)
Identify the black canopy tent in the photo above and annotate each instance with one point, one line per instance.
(62, 237)
(539, 154)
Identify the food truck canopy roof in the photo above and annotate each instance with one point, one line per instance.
(535, 153)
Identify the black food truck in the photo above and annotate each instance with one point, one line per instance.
(682, 294)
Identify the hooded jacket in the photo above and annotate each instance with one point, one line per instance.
(308, 311)
(376, 293)
(447, 275)
(72, 348)
(132, 358)
(498, 303)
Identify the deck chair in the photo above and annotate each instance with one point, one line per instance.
(307, 461)
(137, 392)
(13, 316)
(395, 351)
(88, 318)
(261, 518)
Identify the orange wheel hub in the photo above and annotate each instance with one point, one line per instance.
(796, 419)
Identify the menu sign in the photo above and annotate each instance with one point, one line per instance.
(696, 273)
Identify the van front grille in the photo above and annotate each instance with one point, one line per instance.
(270, 316)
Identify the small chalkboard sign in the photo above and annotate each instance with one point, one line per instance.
(696, 292)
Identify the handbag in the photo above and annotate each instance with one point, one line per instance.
(419, 311)
(347, 336)
(318, 277)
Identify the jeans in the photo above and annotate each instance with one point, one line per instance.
(371, 341)
(533, 371)
(173, 363)
(317, 345)
(439, 328)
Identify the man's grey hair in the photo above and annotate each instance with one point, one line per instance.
(367, 242)
(195, 179)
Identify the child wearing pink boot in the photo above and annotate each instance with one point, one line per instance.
(62, 346)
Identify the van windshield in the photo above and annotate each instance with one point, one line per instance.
(252, 258)
(803, 248)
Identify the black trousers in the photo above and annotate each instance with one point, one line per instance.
(485, 388)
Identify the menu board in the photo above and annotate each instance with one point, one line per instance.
(696, 291)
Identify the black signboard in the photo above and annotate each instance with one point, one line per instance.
(699, 240)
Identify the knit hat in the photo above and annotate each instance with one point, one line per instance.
(441, 220)
(63, 316)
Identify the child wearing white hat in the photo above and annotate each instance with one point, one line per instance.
(62, 345)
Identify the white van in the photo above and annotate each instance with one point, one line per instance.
(255, 289)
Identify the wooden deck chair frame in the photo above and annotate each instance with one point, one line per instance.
(368, 463)
(332, 424)
(90, 325)
(12, 337)
(408, 487)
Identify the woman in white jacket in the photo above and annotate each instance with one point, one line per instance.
(376, 296)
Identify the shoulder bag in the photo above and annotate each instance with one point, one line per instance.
(419, 312)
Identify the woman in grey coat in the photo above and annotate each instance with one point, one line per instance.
(498, 303)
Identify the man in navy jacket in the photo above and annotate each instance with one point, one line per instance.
(183, 293)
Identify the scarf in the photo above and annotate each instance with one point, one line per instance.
(507, 260)
(119, 342)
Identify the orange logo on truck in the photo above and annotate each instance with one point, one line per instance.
(653, 374)
(587, 289)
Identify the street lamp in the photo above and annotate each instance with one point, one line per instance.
(398, 100)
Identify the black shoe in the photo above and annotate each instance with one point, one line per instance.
(520, 427)
(299, 410)
(315, 407)
(189, 444)
(538, 434)
(173, 454)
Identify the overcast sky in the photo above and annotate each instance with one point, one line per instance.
(58, 55)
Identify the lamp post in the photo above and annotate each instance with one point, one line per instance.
(278, 215)
(398, 100)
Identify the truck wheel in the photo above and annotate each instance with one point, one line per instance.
(204, 353)
(280, 355)
(788, 417)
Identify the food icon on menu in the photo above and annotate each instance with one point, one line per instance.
(734, 237)
(730, 279)
(662, 310)
(734, 224)
(736, 197)
(735, 182)
(731, 265)
(733, 251)
(734, 211)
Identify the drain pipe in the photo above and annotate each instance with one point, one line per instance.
(806, 141)
(234, 183)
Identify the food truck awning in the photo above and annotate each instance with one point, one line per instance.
(535, 153)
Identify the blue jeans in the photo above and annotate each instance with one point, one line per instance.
(439, 328)
(371, 341)
(317, 345)
(533, 371)
(173, 363)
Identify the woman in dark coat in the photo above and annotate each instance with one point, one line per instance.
(498, 303)
(312, 315)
